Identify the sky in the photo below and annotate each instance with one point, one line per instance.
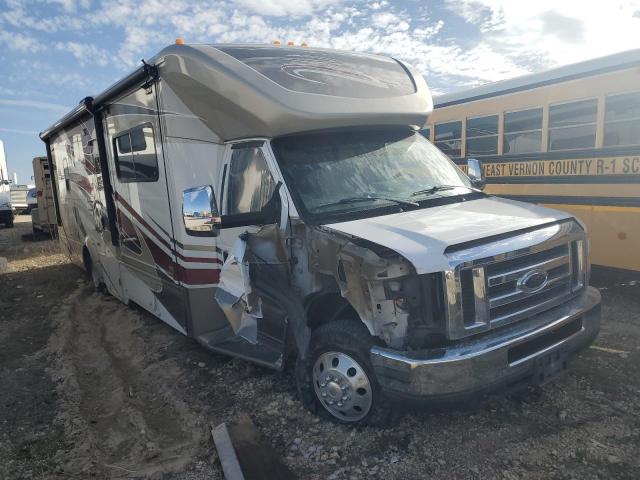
(56, 52)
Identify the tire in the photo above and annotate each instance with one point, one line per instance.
(9, 224)
(339, 351)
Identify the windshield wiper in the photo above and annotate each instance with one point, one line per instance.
(366, 198)
(439, 188)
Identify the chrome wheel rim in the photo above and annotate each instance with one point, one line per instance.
(342, 386)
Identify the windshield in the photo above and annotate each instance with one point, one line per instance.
(339, 172)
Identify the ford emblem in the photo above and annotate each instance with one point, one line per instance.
(533, 281)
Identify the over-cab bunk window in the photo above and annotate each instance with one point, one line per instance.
(135, 155)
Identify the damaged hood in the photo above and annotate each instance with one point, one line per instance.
(422, 236)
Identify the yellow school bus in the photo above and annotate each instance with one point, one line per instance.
(568, 138)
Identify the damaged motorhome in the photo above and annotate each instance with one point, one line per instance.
(279, 202)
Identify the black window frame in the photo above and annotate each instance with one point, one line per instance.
(132, 152)
(484, 135)
(440, 143)
(506, 132)
(556, 128)
(618, 121)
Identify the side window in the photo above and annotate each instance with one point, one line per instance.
(135, 155)
(426, 133)
(622, 119)
(449, 138)
(482, 136)
(250, 182)
(523, 131)
(572, 125)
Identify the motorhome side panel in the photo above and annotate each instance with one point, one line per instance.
(73, 154)
(193, 158)
(148, 271)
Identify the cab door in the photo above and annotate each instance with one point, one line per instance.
(253, 229)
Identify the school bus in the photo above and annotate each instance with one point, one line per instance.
(568, 138)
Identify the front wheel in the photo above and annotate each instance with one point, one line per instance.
(336, 380)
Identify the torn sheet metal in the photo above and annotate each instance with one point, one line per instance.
(240, 303)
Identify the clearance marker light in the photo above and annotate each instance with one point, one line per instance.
(277, 43)
(290, 43)
(179, 41)
(304, 44)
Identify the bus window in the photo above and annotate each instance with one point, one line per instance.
(449, 138)
(482, 136)
(622, 119)
(573, 125)
(523, 131)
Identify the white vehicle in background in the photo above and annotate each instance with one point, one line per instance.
(280, 202)
(32, 199)
(19, 195)
(6, 209)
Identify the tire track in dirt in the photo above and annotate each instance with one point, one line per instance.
(120, 403)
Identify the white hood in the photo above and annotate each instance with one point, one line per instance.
(421, 236)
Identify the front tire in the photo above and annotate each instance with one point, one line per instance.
(336, 380)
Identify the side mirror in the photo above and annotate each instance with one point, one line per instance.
(199, 211)
(476, 173)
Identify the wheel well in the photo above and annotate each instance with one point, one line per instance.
(324, 307)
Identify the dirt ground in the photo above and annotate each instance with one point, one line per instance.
(90, 388)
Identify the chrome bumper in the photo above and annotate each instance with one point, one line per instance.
(525, 352)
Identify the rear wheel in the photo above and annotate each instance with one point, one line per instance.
(9, 223)
(336, 380)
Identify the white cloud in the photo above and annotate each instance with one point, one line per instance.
(279, 8)
(498, 39)
(85, 52)
(34, 104)
(547, 33)
(21, 42)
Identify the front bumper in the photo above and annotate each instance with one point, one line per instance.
(511, 356)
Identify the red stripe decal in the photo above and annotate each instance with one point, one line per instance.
(138, 217)
(185, 258)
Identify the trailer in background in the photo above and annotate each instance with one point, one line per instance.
(43, 216)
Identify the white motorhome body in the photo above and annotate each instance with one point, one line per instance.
(190, 188)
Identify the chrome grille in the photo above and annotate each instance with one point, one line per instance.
(508, 302)
(496, 290)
